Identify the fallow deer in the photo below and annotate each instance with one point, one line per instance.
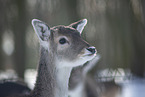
(61, 49)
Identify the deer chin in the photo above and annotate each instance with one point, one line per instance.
(84, 58)
(88, 57)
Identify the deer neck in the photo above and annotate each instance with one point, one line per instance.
(51, 81)
(62, 79)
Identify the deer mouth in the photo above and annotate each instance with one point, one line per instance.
(90, 55)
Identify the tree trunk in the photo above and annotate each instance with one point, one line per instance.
(20, 31)
(138, 29)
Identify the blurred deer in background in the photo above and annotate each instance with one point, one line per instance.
(79, 80)
(81, 84)
(61, 49)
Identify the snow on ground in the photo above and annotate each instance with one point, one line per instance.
(132, 87)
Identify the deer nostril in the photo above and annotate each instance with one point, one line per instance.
(92, 50)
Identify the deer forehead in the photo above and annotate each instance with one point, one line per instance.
(66, 32)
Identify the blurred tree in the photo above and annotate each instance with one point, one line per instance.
(19, 29)
(138, 33)
(1, 51)
(72, 10)
(3, 27)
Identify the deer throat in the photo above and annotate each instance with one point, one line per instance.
(51, 80)
(62, 81)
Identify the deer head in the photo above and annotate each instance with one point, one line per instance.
(65, 43)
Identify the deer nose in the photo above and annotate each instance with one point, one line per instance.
(92, 50)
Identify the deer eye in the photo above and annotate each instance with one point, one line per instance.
(62, 41)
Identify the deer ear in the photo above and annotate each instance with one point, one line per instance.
(41, 29)
(79, 25)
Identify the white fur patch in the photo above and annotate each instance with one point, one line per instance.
(62, 78)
